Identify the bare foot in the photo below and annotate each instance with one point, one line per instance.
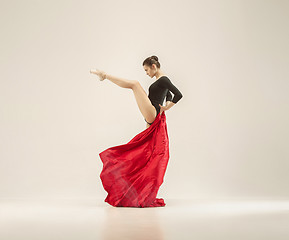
(100, 74)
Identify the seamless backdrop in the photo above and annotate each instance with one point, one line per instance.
(229, 58)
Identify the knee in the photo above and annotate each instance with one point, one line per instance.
(135, 84)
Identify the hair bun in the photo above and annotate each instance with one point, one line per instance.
(155, 58)
(149, 61)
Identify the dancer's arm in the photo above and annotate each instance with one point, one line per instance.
(169, 104)
(166, 83)
(169, 96)
(169, 100)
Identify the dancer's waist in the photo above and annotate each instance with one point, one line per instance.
(156, 102)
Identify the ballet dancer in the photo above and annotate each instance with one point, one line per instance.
(133, 172)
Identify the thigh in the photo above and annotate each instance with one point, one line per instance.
(144, 104)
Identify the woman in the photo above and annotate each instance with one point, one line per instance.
(132, 173)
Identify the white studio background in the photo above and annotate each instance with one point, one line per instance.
(228, 134)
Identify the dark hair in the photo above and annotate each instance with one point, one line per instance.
(152, 60)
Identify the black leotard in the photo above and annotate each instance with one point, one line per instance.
(160, 89)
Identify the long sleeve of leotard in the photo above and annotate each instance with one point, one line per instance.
(166, 83)
(169, 96)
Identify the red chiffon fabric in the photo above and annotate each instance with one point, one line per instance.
(133, 172)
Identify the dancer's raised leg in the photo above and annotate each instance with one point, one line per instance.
(146, 108)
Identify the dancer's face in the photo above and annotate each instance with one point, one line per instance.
(150, 71)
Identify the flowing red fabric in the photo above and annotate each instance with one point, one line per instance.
(133, 172)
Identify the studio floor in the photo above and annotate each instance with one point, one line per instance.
(181, 219)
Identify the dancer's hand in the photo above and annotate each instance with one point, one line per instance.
(163, 108)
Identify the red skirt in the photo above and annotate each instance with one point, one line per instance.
(133, 172)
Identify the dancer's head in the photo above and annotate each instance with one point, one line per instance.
(151, 65)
